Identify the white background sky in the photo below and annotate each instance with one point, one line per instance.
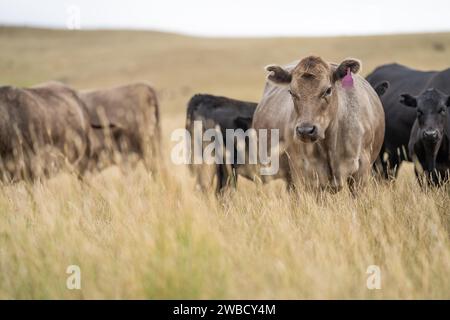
(238, 17)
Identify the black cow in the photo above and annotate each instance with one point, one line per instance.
(223, 113)
(429, 142)
(400, 119)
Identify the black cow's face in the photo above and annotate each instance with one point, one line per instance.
(432, 109)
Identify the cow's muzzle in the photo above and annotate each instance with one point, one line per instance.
(431, 135)
(307, 133)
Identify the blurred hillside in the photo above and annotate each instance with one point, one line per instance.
(179, 66)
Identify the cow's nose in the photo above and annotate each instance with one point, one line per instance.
(430, 134)
(306, 130)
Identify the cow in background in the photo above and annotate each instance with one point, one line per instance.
(42, 129)
(400, 119)
(221, 113)
(126, 119)
(429, 142)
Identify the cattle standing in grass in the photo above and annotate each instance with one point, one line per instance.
(429, 142)
(400, 119)
(42, 129)
(222, 113)
(130, 116)
(330, 120)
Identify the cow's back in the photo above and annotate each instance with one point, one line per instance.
(126, 106)
(55, 112)
(63, 106)
(217, 110)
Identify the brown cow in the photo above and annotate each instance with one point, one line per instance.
(42, 128)
(132, 114)
(330, 121)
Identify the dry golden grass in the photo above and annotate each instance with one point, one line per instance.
(138, 236)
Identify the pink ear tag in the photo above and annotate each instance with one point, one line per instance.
(347, 81)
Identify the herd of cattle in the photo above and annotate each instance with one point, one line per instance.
(335, 127)
(50, 126)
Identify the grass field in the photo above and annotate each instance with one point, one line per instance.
(138, 236)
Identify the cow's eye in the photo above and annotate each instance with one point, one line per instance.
(327, 93)
(442, 111)
(293, 95)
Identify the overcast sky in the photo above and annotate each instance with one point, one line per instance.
(235, 17)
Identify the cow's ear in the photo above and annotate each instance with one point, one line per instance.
(278, 75)
(381, 88)
(243, 123)
(408, 100)
(353, 64)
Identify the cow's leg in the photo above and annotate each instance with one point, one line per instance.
(359, 179)
(420, 177)
(445, 174)
(290, 184)
(390, 167)
(387, 164)
(153, 158)
(340, 171)
(380, 166)
(205, 174)
(232, 175)
(222, 178)
(285, 171)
